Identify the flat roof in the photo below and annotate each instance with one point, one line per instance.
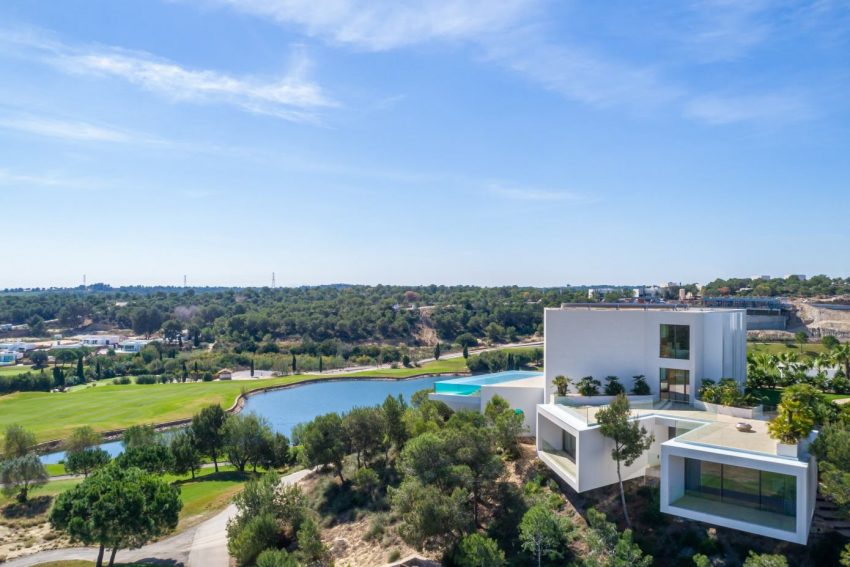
(683, 307)
(704, 428)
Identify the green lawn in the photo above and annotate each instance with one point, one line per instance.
(774, 396)
(437, 367)
(13, 370)
(55, 470)
(52, 488)
(208, 492)
(55, 415)
(810, 349)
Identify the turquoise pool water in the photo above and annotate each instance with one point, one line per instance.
(472, 385)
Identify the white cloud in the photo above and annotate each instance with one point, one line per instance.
(292, 97)
(719, 109)
(47, 181)
(386, 24)
(727, 29)
(66, 130)
(531, 194)
(581, 75)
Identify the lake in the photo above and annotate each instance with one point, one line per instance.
(288, 407)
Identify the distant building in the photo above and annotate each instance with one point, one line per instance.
(131, 347)
(224, 374)
(763, 313)
(760, 277)
(647, 292)
(8, 358)
(801, 277)
(17, 347)
(99, 340)
(5, 327)
(599, 292)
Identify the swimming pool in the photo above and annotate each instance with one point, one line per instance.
(472, 385)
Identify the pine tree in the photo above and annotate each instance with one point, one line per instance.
(437, 351)
(81, 377)
(465, 352)
(294, 365)
(252, 368)
(320, 363)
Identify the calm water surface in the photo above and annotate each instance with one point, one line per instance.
(286, 408)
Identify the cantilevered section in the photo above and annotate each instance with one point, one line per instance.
(710, 469)
(713, 467)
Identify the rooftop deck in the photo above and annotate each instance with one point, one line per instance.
(703, 427)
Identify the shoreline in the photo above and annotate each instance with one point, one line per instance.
(55, 445)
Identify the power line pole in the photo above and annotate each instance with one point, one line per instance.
(184, 281)
(273, 282)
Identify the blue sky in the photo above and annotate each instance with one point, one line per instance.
(522, 142)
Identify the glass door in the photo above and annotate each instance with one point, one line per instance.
(674, 385)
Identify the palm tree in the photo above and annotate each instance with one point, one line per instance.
(841, 357)
(762, 369)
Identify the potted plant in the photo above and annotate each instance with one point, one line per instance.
(795, 418)
(562, 385)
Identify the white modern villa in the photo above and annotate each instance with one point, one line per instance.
(715, 464)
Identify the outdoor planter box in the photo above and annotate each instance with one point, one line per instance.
(755, 412)
(576, 400)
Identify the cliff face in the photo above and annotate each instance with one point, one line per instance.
(823, 316)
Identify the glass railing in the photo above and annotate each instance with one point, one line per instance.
(587, 413)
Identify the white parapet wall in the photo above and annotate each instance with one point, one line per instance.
(457, 402)
(523, 395)
(755, 412)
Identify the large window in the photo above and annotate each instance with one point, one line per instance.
(676, 341)
(673, 385)
(569, 444)
(740, 486)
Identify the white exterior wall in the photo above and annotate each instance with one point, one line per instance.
(457, 403)
(626, 342)
(594, 466)
(673, 456)
(521, 398)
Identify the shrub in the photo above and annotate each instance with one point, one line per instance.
(259, 533)
(394, 555)
(121, 381)
(146, 379)
(276, 558)
(726, 392)
(588, 386)
(562, 384)
(640, 387)
(476, 550)
(613, 386)
(26, 382)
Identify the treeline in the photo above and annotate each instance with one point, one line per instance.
(247, 318)
(509, 359)
(774, 287)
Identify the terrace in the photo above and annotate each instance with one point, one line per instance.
(702, 428)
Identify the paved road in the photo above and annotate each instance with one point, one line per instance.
(424, 360)
(209, 546)
(204, 545)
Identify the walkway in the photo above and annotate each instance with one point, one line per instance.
(204, 545)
